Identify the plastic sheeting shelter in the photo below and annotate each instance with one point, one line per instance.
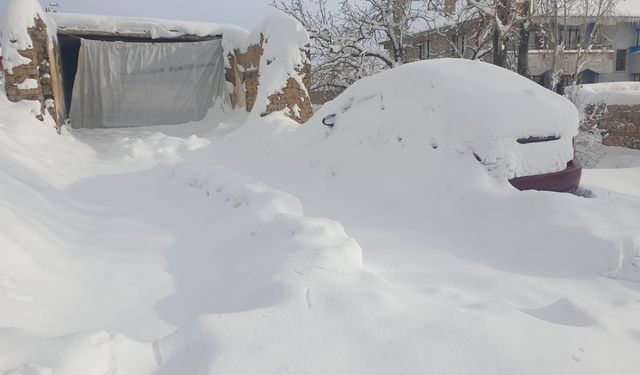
(119, 84)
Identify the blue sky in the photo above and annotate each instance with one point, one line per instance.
(245, 13)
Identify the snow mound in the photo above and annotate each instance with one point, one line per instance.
(166, 251)
(460, 105)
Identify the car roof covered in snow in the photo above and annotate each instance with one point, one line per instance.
(150, 27)
(461, 105)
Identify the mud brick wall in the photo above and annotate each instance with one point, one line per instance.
(249, 65)
(39, 69)
(622, 126)
(243, 73)
(292, 98)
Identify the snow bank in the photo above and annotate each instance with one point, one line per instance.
(463, 106)
(15, 18)
(611, 93)
(214, 248)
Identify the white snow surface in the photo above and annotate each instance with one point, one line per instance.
(156, 28)
(614, 93)
(463, 106)
(243, 247)
(232, 36)
(28, 84)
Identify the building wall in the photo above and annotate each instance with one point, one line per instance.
(441, 43)
(615, 36)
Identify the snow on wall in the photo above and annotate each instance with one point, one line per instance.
(15, 18)
(612, 93)
(284, 44)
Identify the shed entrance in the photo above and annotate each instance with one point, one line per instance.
(120, 83)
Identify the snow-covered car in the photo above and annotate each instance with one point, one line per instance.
(516, 128)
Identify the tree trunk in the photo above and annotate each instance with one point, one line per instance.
(499, 44)
(499, 50)
(524, 29)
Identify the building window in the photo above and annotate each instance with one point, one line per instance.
(574, 37)
(637, 37)
(570, 36)
(457, 45)
(539, 40)
(424, 50)
(636, 77)
(621, 60)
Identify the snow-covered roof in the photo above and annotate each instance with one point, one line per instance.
(613, 93)
(151, 27)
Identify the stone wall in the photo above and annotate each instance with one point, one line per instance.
(243, 73)
(39, 69)
(622, 126)
(292, 98)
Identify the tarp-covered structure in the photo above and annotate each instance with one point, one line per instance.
(135, 84)
(104, 71)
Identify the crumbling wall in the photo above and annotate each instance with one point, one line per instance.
(251, 74)
(292, 98)
(248, 70)
(621, 124)
(33, 73)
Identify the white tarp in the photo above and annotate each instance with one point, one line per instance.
(122, 84)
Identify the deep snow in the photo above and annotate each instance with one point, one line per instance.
(270, 248)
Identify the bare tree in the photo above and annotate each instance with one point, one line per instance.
(348, 41)
(508, 20)
(596, 11)
(582, 39)
(51, 6)
(473, 30)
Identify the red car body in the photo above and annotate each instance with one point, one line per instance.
(566, 180)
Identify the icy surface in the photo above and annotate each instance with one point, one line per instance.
(264, 247)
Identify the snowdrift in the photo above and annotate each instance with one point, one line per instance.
(377, 246)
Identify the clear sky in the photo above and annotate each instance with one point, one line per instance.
(244, 13)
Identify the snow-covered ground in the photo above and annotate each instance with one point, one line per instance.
(270, 248)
